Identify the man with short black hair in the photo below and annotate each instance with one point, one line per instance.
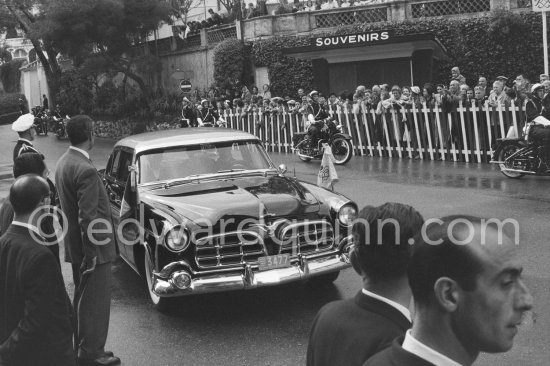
(90, 242)
(348, 332)
(35, 310)
(468, 292)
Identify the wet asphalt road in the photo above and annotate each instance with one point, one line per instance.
(270, 326)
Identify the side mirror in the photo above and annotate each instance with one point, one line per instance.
(282, 169)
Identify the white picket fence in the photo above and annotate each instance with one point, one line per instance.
(467, 133)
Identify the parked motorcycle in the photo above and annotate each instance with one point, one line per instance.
(40, 124)
(519, 156)
(332, 135)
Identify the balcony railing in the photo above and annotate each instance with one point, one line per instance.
(220, 34)
(444, 7)
(337, 17)
(384, 11)
(205, 38)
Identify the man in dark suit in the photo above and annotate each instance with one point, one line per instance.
(31, 163)
(348, 332)
(468, 292)
(90, 242)
(35, 310)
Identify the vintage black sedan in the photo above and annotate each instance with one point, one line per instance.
(205, 210)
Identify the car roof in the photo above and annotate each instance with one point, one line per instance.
(182, 137)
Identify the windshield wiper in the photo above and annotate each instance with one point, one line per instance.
(174, 182)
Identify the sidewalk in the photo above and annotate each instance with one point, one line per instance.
(8, 139)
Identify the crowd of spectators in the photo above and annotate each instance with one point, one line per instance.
(259, 8)
(380, 97)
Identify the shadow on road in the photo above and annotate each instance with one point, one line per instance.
(299, 299)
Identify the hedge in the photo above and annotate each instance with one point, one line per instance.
(9, 102)
(10, 75)
(232, 63)
(502, 43)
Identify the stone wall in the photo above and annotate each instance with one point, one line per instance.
(199, 64)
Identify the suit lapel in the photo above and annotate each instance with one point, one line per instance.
(376, 306)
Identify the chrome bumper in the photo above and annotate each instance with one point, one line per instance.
(249, 278)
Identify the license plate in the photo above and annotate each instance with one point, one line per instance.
(274, 261)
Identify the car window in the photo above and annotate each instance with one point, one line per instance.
(115, 163)
(125, 162)
(211, 158)
(118, 165)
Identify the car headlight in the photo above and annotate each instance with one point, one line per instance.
(177, 239)
(347, 215)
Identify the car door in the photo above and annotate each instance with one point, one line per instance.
(116, 174)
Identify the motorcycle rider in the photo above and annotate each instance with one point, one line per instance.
(316, 114)
(207, 114)
(188, 113)
(541, 129)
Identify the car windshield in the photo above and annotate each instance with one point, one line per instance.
(194, 160)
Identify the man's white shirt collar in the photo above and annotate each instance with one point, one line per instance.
(418, 348)
(403, 310)
(83, 152)
(28, 226)
(25, 140)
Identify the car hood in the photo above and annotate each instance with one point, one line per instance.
(238, 197)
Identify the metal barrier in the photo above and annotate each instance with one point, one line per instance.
(220, 34)
(465, 134)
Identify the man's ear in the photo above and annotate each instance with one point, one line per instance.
(446, 293)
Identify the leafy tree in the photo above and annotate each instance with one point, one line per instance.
(182, 7)
(5, 56)
(103, 35)
(233, 7)
(25, 14)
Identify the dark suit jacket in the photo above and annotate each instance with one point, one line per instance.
(348, 332)
(396, 356)
(83, 199)
(46, 227)
(35, 310)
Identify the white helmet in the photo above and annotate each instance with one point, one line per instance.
(535, 87)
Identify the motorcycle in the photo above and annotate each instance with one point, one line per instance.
(517, 157)
(332, 135)
(40, 124)
(60, 128)
(220, 123)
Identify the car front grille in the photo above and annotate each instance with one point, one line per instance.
(306, 237)
(229, 249)
(236, 249)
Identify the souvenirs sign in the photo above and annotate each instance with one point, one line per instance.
(358, 39)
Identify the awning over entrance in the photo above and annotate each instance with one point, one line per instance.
(340, 49)
(343, 62)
